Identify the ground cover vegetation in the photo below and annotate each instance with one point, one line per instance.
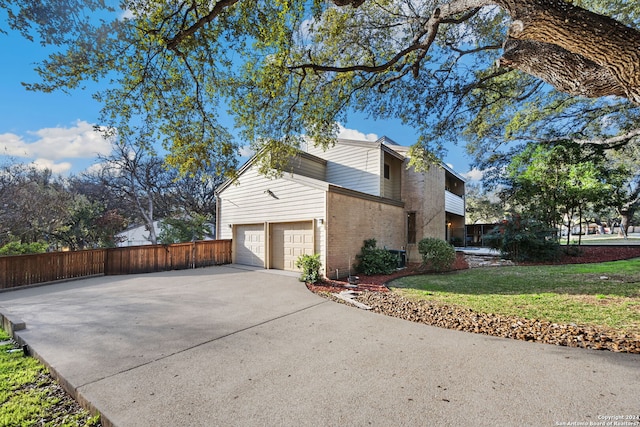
(29, 396)
(602, 294)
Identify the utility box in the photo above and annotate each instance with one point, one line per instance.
(401, 255)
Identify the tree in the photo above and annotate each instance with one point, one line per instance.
(89, 225)
(290, 68)
(626, 189)
(140, 180)
(556, 183)
(33, 204)
(178, 230)
(482, 206)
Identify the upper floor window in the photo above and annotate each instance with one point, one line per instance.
(387, 172)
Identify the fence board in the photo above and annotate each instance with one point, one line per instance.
(22, 270)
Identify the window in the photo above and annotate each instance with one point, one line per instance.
(411, 227)
(387, 172)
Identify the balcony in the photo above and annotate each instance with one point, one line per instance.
(453, 203)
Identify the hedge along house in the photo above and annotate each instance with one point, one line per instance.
(329, 202)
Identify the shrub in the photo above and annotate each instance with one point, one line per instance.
(310, 266)
(437, 253)
(373, 260)
(524, 240)
(17, 248)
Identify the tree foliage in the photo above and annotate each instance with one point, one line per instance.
(179, 230)
(437, 253)
(374, 260)
(524, 239)
(288, 68)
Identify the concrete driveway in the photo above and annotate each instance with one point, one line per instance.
(224, 346)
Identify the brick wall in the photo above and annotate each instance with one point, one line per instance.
(350, 221)
(423, 193)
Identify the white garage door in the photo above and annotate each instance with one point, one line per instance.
(288, 242)
(250, 245)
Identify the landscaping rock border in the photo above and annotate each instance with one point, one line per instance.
(462, 319)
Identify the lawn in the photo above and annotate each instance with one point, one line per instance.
(605, 294)
(29, 396)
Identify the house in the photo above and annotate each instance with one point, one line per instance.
(329, 202)
(136, 235)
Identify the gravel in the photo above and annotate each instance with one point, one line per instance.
(374, 294)
(463, 319)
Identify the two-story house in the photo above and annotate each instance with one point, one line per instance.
(329, 202)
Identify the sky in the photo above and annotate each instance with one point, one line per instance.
(55, 130)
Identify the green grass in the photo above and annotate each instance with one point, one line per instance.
(27, 395)
(560, 294)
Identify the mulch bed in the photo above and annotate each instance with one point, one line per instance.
(375, 294)
(591, 254)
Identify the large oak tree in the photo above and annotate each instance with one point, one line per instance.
(292, 67)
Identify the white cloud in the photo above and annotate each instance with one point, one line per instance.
(126, 14)
(473, 175)
(79, 141)
(246, 151)
(62, 168)
(345, 133)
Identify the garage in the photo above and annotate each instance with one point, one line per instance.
(250, 245)
(289, 241)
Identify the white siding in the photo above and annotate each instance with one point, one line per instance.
(296, 198)
(453, 203)
(353, 166)
(308, 167)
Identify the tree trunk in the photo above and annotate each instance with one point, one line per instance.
(624, 221)
(600, 54)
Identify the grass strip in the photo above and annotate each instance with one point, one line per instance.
(29, 396)
(605, 294)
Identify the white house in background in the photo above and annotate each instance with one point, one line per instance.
(139, 234)
(329, 202)
(136, 235)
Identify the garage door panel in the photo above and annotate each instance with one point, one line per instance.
(250, 245)
(288, 242)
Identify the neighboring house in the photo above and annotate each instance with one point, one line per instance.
(136, 235)
(329, 202)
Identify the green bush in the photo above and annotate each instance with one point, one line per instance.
(17, 248)
(437, 253)
(524, 240)
(373, 260)
(310, 266)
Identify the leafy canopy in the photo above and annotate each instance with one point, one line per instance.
(288, 68)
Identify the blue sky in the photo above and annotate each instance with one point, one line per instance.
(55, 130)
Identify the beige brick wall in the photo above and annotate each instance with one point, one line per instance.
(423, 193)
(350, 221)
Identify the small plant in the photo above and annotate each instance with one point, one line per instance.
(373, 260)
(437, 253)
(310, 266)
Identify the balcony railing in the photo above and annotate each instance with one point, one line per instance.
(453, 203)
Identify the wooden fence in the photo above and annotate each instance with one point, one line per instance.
(22, 270)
